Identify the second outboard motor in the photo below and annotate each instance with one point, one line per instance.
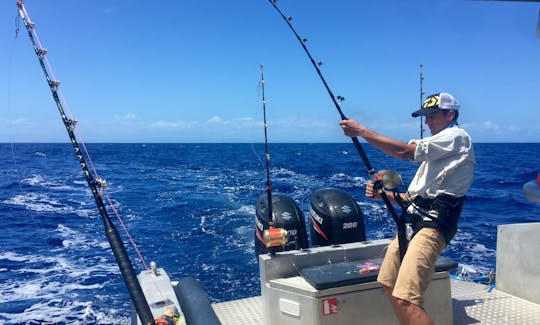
(287, 215)
(335, 218)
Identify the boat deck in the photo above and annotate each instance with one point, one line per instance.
(471, 304)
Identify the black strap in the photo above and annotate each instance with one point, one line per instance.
(441, 213)
(401, 225)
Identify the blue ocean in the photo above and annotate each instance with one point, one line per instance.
(190, 208)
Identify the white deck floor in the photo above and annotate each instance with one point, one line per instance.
(471, 304)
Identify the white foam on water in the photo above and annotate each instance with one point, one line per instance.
(54, 286)
(478, 248)
(58, 311)
(247, 209)
(34, 180)
(74, 239)
(39, 180)
(39, 203)
(14, 257)
(60, 277)
(238, 188)
(345, 180)
(472, 271)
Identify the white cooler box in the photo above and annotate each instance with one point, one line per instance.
(337, 285)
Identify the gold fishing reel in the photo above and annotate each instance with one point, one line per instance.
(390, 179)
(274, 237)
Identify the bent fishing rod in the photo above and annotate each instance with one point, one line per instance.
(97, 186)
(376, 177)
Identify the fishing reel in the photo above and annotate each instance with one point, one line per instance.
(274, 237)
(99, 185)
(389, 179)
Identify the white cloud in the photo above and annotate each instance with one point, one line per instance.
(489, 125)
(239, 123)
(16, 121)
(216, 120)
(174, 124)
(514, 128)
(127, 117)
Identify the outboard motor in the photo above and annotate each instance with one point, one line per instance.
(287, 215)
(335, 218)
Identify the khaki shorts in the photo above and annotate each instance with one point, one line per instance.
(410, 281)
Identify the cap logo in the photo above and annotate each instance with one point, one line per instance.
(432, 101)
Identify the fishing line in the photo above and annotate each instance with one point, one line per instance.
(376, 177)
(135, 247)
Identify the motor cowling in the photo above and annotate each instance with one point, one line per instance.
(335, 218)
(286, 215)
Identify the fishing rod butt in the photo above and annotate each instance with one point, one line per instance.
(130, 277)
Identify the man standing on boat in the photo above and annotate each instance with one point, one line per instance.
(433, 201)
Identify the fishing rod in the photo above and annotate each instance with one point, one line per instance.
(267, 154)
(272, 237)
(421, 101)
(376, 177)
(97, 186)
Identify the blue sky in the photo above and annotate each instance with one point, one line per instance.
(188, 71)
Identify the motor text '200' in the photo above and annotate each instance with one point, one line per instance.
(350, 225)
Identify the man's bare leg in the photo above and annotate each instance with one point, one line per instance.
(407, 313)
